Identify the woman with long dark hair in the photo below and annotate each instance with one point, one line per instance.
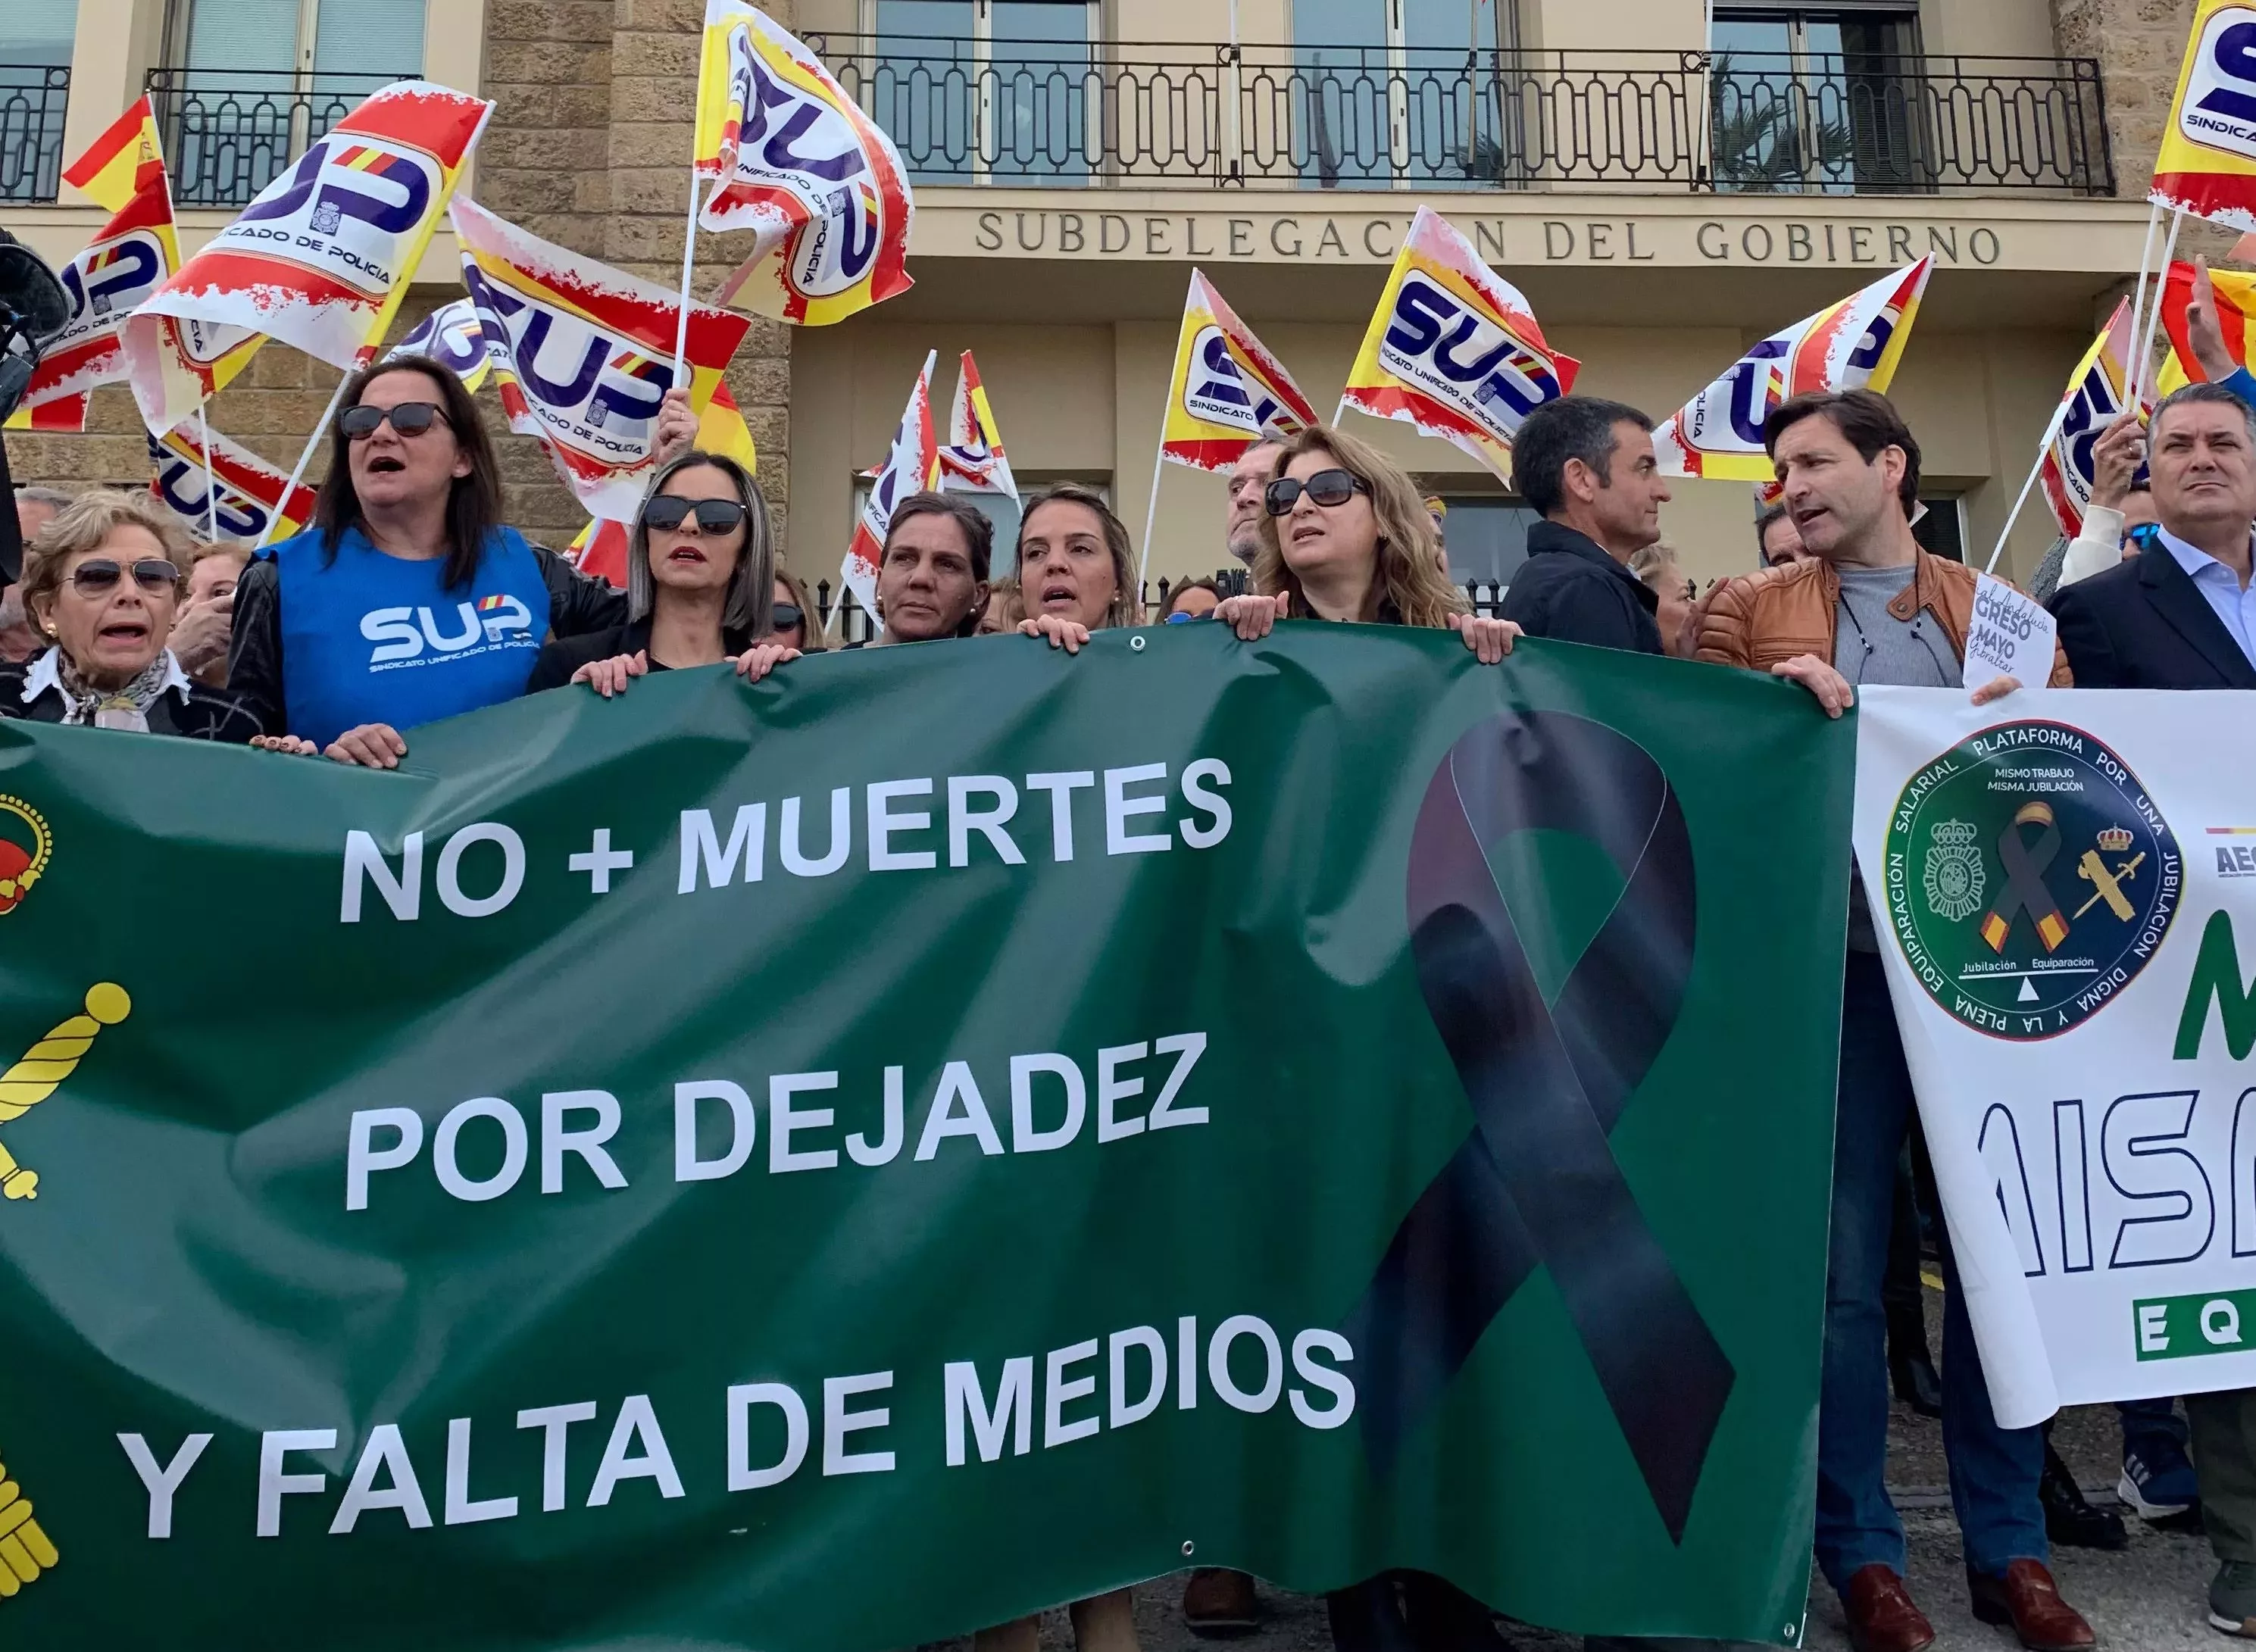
(407, 601)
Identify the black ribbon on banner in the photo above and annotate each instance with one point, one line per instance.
(1537, 1181)
(2026, 864)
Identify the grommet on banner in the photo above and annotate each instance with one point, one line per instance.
(1137, 645)
(1187, 1544)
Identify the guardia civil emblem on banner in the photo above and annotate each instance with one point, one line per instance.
(2030, 878)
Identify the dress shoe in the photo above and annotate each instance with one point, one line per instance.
(2027, 1598)
(1882, 1616)
(2069, 1521)
(1217, 1601)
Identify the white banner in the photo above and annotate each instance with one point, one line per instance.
(2064, 884)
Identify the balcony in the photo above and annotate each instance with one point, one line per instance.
(229, 133)
(1042, 114)
(33, 98)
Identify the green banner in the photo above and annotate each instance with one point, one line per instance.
(834, 1164)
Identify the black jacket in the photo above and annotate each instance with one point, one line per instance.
(1571, 591)
(578, 603)
(2144, 624)
(205, 713)
(561, 658)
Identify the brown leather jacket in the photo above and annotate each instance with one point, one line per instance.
(1760, 620)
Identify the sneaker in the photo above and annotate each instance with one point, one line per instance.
(2158, 1480)
(2232, 1599)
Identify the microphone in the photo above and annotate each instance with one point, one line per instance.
(33, 310)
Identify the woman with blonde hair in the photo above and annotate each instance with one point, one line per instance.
(1076, 568)
(1346, 537)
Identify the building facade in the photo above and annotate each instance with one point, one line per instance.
(1667, 180)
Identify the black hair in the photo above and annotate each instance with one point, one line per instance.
(1571, 427)
(473, 504)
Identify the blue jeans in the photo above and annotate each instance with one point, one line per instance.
(1993, 1470)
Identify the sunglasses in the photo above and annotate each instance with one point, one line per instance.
(666, 513)
(788, 617)
(1326, 488)
(152, 575)
(409, 419)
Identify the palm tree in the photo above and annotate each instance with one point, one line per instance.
(1757, 138)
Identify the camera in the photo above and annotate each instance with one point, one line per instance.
(33, 310)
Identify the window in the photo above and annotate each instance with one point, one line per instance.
(988, 91)
(1823, 101)
(255, 82)
(1942, 531)
(1486, 535)
(1399, 92)
(35, 54)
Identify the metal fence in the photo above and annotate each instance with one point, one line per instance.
(845, 620)
(229, 133)
(33, 100)
(1018, 112)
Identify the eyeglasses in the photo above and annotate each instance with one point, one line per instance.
(788, 617)
(152, 575)
(409, 419)
(667, 512)
(1326, 488)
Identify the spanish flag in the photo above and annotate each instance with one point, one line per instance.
(2207, 165)
(65, 416)
(2236, 305)
(109, 172)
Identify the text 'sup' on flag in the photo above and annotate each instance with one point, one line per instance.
(321, 259)
(1853, 345)
(133, 256)
(451, 336)
(912, 466)
(971, 460)
(254, 497)
(2207, 163)
(1454, 350)
(794, 159)
(2099, 392)
(582, 354)
(1228, 392)
(109, 174)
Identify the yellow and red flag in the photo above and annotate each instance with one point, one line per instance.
(795, 161)
(1228, 391)
(2236, 319)
(255, 502)
(65, 416)
(1853, 345)
(322, 258)
(972, 459)
(583, 354)
(912, 466)
(134, 255)
(451, 336)
(2207, 164)
(2099, 392)
(1454, 350)
(109, 174)
(601, 547)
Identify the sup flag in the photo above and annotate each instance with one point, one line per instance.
(912, 467)
(793, 159)
(321, 259)
(253, 496)
(132, 257)
(1454, 350)
(2098, 393)
(582, 354)
(972, 460)
(449, 334)
(1853, 345)
(2207, 164)
(109, 174)
(601, 547)
(1228, 392)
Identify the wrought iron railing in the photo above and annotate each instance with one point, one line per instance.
(229, 133)
(1028, 112)
(33, 99)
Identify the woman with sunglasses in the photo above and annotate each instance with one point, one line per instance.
(102, 588)
(408, 600)
(1346, 537)
(798, 623)
(700, 585)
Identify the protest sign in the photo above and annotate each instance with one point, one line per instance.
(2058, 880)
(2012, 636)
(775, 1166)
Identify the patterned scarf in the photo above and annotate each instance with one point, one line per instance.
(126, 707)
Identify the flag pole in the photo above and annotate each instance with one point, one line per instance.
(2139, 292)
(211, 485)
(2044, 445)
(2142, 367)
(688, 263)
(1151, 515)
(312, 442)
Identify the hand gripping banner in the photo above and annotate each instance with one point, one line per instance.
(1536, 1183)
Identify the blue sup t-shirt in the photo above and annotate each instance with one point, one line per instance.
(372, 638)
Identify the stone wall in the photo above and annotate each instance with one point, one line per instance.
(2139, 44)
